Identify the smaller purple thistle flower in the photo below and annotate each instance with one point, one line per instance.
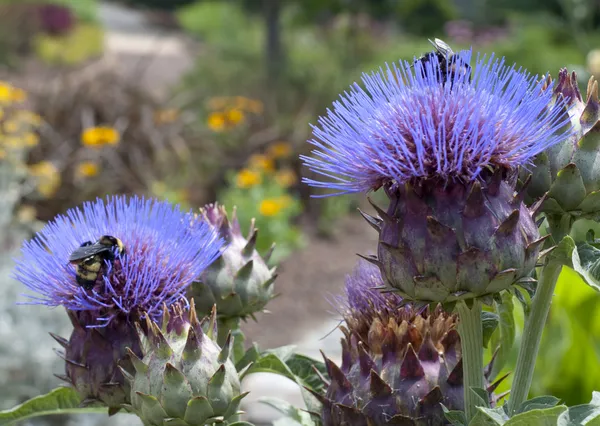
(407, 125)
(362, 291)
(166, 250)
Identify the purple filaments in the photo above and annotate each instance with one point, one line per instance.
(165, 250)
(406, 124)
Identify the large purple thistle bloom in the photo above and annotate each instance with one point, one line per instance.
(407, 125)
(166, 249)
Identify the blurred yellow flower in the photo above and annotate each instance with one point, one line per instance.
(48, 177)
(2, 154)
(13, 142)
(261, 162)
(247, 178)
(286, 178)
(216, 121)
(234, 116)
(100, 136)
(166, 116)
(280, 150)
(10, 94)
(250, 105)
(87, 169)
(270, 207)
(31, 139)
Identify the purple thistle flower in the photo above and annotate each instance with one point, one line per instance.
(407, 125)
(362, 291)
(166, 249)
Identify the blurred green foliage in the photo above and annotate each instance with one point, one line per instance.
(85, 10)
(85, 41)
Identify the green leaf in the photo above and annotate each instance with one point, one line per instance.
(539, 402)
(489, 416)
(538, 417)
(564, 251)
(61, 400)
(241, 424)
(270, 363)
(586, 262)
(483, 396)
(251, 355)
(489, 322)
(293, 415)
(455, 417)
(582, 415)
(304, 367)
(506, 332)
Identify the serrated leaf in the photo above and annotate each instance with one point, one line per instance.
(586, 262)
(61, 400)
(538, 417)
(539, 402)
(489, 322)
(455, 417)
(582, 415)
(489, 416)
(506, 332)
(293, 415)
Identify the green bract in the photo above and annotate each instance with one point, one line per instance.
(568, 174)
(239, 282)
(442, 243)
(184, 378)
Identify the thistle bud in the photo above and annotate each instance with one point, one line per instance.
(184, 377)
(398, 364)
(239, 282)
(568, 173)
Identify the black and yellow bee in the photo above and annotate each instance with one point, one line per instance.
(89, 258)
(448, 60)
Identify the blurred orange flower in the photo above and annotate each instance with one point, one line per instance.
(247, 178)
(216, 121)
(270, 207)
(286, 178)
(261, 162)
(87, 169)
(99, 136)
(280, 150)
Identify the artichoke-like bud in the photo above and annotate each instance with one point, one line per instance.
(569, 172)
(442, 244)
(398, 364)
(184, 376)
(93, 356)
(239, 282)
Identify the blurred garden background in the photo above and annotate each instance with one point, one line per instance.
(197, 101)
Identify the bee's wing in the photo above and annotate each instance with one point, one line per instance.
(87, 251)
(442, 47)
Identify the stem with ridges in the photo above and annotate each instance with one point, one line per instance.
(532, 334)
(471, 340)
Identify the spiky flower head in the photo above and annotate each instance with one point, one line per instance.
(412, 123)
(184, 377)
(239, 282)
(568, 174)
(164, 251)
(398, 363)
(445, 148)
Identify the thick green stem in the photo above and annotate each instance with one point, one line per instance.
(532, 334)
(225, 325)
(471, 340)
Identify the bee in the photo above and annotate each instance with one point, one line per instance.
(448, 60)
(89, 258)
